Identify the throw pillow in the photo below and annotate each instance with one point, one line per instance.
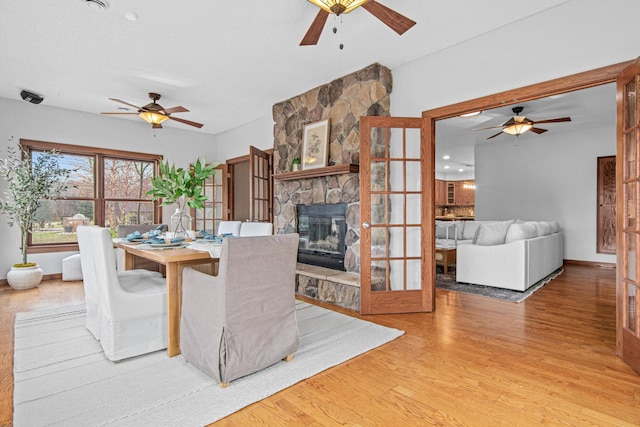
(492, 233)
(470, 228)
(520, 231)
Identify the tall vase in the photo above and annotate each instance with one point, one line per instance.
(181, 222)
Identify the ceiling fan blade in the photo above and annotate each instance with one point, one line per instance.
(493, 136)
(178, 109)
(125, 103)
(538, 130)
(314, 31)
(186, 122)
(492, 127)
(558, 120)
(397, 22)
(133, 114)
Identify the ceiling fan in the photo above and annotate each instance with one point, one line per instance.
(517, 125)
(155, 113)
(397, 22)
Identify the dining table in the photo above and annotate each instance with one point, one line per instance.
(174, 260)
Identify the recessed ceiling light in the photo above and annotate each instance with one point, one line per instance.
(446, 157)
(447, 167)
(130, 16)
(471, 114)
(460, 170)
(97, 4)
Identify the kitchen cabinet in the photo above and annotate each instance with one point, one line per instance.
(465, 193)
(455, 193)
(441, 192)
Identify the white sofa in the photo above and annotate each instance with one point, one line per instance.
(508, 254)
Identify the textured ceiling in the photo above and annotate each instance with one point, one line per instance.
(226, 61)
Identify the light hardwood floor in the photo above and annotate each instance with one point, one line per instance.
(474, 362)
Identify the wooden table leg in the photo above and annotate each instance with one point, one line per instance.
(173, 309)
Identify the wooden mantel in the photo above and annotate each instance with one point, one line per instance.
(313, 173)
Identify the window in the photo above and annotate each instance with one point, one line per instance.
(107, 188)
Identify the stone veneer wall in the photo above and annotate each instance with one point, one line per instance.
(342, 101)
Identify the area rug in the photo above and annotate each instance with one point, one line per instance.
(448, 282)
(63, 379)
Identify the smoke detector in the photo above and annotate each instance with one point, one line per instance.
(97, 4)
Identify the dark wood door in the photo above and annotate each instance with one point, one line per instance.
(606, 211)
(260, 188)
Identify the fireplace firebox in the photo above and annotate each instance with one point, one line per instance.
(322, 230)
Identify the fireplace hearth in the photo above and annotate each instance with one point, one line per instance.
(322, 229)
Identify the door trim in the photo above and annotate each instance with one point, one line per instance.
(571, 83)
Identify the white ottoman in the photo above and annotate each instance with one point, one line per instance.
(71, 268)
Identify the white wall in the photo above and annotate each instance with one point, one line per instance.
(236, 142)
(547, 177)
(21, 120)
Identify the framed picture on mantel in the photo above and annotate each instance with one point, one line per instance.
(315, 149)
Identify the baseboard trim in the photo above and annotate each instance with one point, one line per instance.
(55, 276)
(590, 263)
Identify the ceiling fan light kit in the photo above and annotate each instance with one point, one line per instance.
(338, 6)
(153, 117)
(521, 125)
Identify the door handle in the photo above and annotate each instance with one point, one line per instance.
(366, 225)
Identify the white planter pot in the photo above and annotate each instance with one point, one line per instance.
(25, 277)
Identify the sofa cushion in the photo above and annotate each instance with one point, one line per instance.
(470, 228)
(493, 233)
(448, 229)
(520, 231)
(543, 228)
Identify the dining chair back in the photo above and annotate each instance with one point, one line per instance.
(244, 319)
(249, 229)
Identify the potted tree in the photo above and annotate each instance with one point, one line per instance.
(183, 187)
(30, 182)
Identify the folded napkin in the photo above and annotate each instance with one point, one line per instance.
(217, 238)
(151, 234)
(162, 241)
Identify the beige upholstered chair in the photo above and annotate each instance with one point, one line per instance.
(249, 229)
(244, 319)
(128, 312)
(226, 227)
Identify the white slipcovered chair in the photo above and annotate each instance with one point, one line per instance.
(128, 279)
(250, 229)
(126, 312)
(244, 319)
(226, 227)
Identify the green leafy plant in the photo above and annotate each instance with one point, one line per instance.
(184, 187)
(30, 183)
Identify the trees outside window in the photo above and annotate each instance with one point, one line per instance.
(106, 188)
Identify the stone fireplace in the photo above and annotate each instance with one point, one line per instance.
(343, 101)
